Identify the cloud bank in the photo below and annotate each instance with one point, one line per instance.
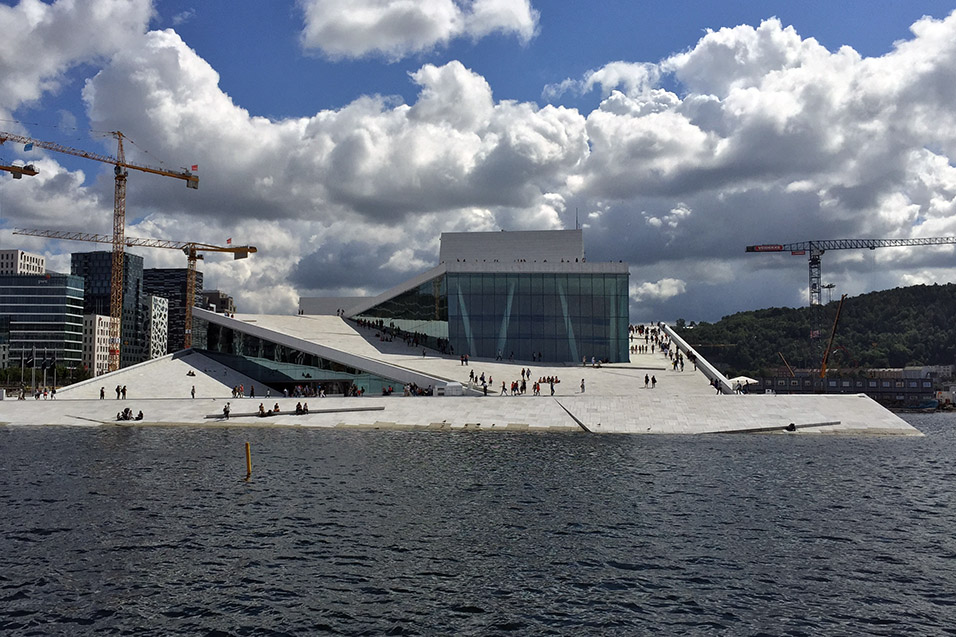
(755, 134)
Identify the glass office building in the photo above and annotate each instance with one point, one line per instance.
(96, 268)
(490, 301)
(42, 315)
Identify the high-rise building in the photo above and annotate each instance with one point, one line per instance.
(20, 262)
(96, 343)
(170, 283)
(96, 269)
(41, 317)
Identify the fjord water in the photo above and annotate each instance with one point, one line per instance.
(154, 530)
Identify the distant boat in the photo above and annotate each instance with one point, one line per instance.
(930, 404)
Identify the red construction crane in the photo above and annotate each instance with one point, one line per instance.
(19, 171)
(815, 249)
(190, 248)
(119, 217)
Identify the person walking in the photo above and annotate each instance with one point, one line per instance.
(124, 392)
(582, 385)
(653, 382)
(646, 380)
(192, 392)
(225, 411)
(118, 390)
(102, 393)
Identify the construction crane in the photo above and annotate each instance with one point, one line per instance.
(120, 166)
(815, 249)
(191, 249)
(19, 171)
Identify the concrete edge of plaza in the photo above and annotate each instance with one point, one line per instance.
(614, 398)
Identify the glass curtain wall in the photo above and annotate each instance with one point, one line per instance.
(546, 317)
(422, 310)
(43, 313)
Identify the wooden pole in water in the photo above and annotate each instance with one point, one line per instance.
(248, 460)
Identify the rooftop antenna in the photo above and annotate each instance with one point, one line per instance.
(576, 225)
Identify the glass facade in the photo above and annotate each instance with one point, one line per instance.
(423, 309)
(549, 317)
(281, 367)
(96, 269)
(44, 312)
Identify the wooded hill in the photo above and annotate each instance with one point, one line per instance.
(893, 328)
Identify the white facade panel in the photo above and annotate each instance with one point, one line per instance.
(158, 326)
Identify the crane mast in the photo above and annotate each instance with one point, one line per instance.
(119, 258)
(120, 166)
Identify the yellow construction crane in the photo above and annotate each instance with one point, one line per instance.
(119, 217)
(191, 249)
(19, 171)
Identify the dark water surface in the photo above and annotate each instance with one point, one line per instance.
(153, 530)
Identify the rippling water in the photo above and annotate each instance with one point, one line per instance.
(155, 531)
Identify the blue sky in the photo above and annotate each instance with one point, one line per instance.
(683, 132)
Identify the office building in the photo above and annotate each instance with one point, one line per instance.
(41, 315)
(218, 301)
(96, 343)
(170, 283)
(96, 270)
(20, 262)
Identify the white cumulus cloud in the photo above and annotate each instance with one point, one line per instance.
(397, 28)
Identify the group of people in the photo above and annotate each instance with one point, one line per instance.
(264, 412)
(120, 392)
(45, 392)
(300, 409)
(519, 388)
(127, 414)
